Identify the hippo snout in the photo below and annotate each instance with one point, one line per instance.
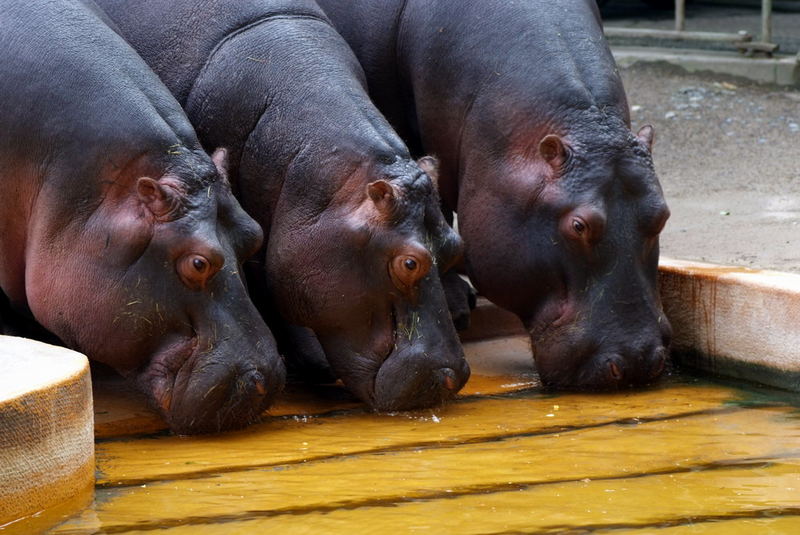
(223, 401)
(413, 381)
(624, 368)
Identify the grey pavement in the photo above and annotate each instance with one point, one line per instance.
(728, 155)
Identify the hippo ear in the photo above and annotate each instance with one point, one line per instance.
(220, 159)
(430, 165)
(383, 194)
(646, 136)
(552, 149)
(160, 199)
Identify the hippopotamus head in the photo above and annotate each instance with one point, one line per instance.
(364, 275)
(570, 244)
(149, 283)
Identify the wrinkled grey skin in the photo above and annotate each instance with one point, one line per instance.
(118, 234)
(342, 203)
(558, 203)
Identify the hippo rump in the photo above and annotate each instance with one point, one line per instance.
(558, 203)
(355, 238)
(118, 233)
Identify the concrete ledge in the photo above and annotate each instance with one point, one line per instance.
(730, 321)
(734, 321)
(783, 70)
(46, 428)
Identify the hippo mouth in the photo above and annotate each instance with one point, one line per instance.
(568, 357)
(196, 392)
(160, 377)
(408, 365)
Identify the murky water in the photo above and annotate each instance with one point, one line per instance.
(689, 456)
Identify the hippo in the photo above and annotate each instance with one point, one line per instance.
(118, 233)
(558, 202)
(355, 239)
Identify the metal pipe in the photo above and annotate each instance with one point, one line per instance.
(680, 15)
(766, 21)
(613, 31)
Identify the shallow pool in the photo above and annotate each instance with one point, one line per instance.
(688, 456)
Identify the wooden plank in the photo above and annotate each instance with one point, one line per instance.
(701, 442)
(300, 439)
(587, 506)
(748, 524)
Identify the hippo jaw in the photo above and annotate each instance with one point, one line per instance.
(414, 361)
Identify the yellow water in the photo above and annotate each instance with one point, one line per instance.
(686, 457)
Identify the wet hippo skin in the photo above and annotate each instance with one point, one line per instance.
(558, 203)
(355, 239)
(118, 233)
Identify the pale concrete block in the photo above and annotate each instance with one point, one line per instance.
(734, 321)
(46, 427)
(782, 70)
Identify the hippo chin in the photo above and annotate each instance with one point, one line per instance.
(558, 204)
(118, 233)
(354, 234)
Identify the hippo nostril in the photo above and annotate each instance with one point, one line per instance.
(166, 402)
(448, 379)
(255, 380)
(659, 361)
(613, 367)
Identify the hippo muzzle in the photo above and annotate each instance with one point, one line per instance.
(415, 359)
(223, 377)
(418, 375)
(599, 348)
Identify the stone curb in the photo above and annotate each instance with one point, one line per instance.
(46, 428)
(731, 321)
(778, 70)
(734, 321)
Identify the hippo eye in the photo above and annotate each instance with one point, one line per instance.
(196, 270)
(406, 271)
(578, 226)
